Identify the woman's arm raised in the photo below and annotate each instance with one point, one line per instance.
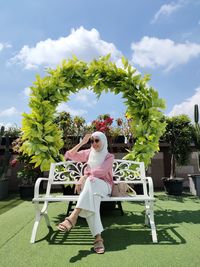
(74, 154)
(83, 142)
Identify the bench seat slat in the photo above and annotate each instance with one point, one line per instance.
(75, 198)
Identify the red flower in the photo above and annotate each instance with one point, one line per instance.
(103, 129)
(108, 121)
(102, 123)
(14, 162)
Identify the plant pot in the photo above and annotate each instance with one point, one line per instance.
(173, 186)
(26, 191)
(194, 184)
(3, 189)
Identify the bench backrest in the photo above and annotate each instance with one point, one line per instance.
(69, 172)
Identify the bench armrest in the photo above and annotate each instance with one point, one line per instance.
(37, 186)
(150, 183)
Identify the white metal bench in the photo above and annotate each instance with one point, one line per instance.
(68, 172)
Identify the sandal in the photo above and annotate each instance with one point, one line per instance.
(99, 246)
(64, 228)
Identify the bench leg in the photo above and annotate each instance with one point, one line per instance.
(147, 214)
(44, 213)
(153, 227)
(35, 227)
(146, 221)
(47, 219)
(70, 205)
(38, 216)
(120, 207)
(149, 220)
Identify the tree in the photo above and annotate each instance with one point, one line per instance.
(179, 136)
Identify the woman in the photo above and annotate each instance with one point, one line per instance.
(98, 182)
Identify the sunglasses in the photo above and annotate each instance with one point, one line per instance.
(94, 141)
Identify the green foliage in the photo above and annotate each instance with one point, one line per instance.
(13, 131)
(196, 133)
(70, 127)
(43, 139)
(28, 173)
(178, 135)
(4, 161)
(196, 129)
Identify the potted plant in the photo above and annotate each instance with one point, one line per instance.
(72, 128)
(27, 177)
(13, 132)
(194, 179)
(125, 128)
(27, 174)
(4, 164)
(115, 134)
(178, 136)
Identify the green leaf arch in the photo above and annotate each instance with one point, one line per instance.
(42, 140)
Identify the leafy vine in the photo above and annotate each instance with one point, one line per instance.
(42, 139)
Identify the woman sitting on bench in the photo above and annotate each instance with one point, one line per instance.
(97, 181)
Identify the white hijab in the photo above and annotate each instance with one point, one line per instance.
(96, 158)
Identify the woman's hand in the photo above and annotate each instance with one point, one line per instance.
(86, 138)
(78, 188)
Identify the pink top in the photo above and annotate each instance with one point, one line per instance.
(103, 172)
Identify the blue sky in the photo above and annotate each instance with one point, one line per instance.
(158, 37)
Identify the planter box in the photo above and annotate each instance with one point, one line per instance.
(3, 189)
(173, 186)
(120, 139)
(26, 191)
(194, 184)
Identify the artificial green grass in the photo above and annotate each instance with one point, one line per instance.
(9, 203)
(127, 241)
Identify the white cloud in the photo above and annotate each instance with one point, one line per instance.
(86, 98)
(153, 52)
(83, 43)
(73, 112)
(8, 112)
(168, 9)
(187, 107)
(7, 45)
(4, 45)
(27, 91)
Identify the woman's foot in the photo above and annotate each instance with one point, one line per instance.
(67, 224)
(99, 246)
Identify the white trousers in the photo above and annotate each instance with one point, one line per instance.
(89, 202)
